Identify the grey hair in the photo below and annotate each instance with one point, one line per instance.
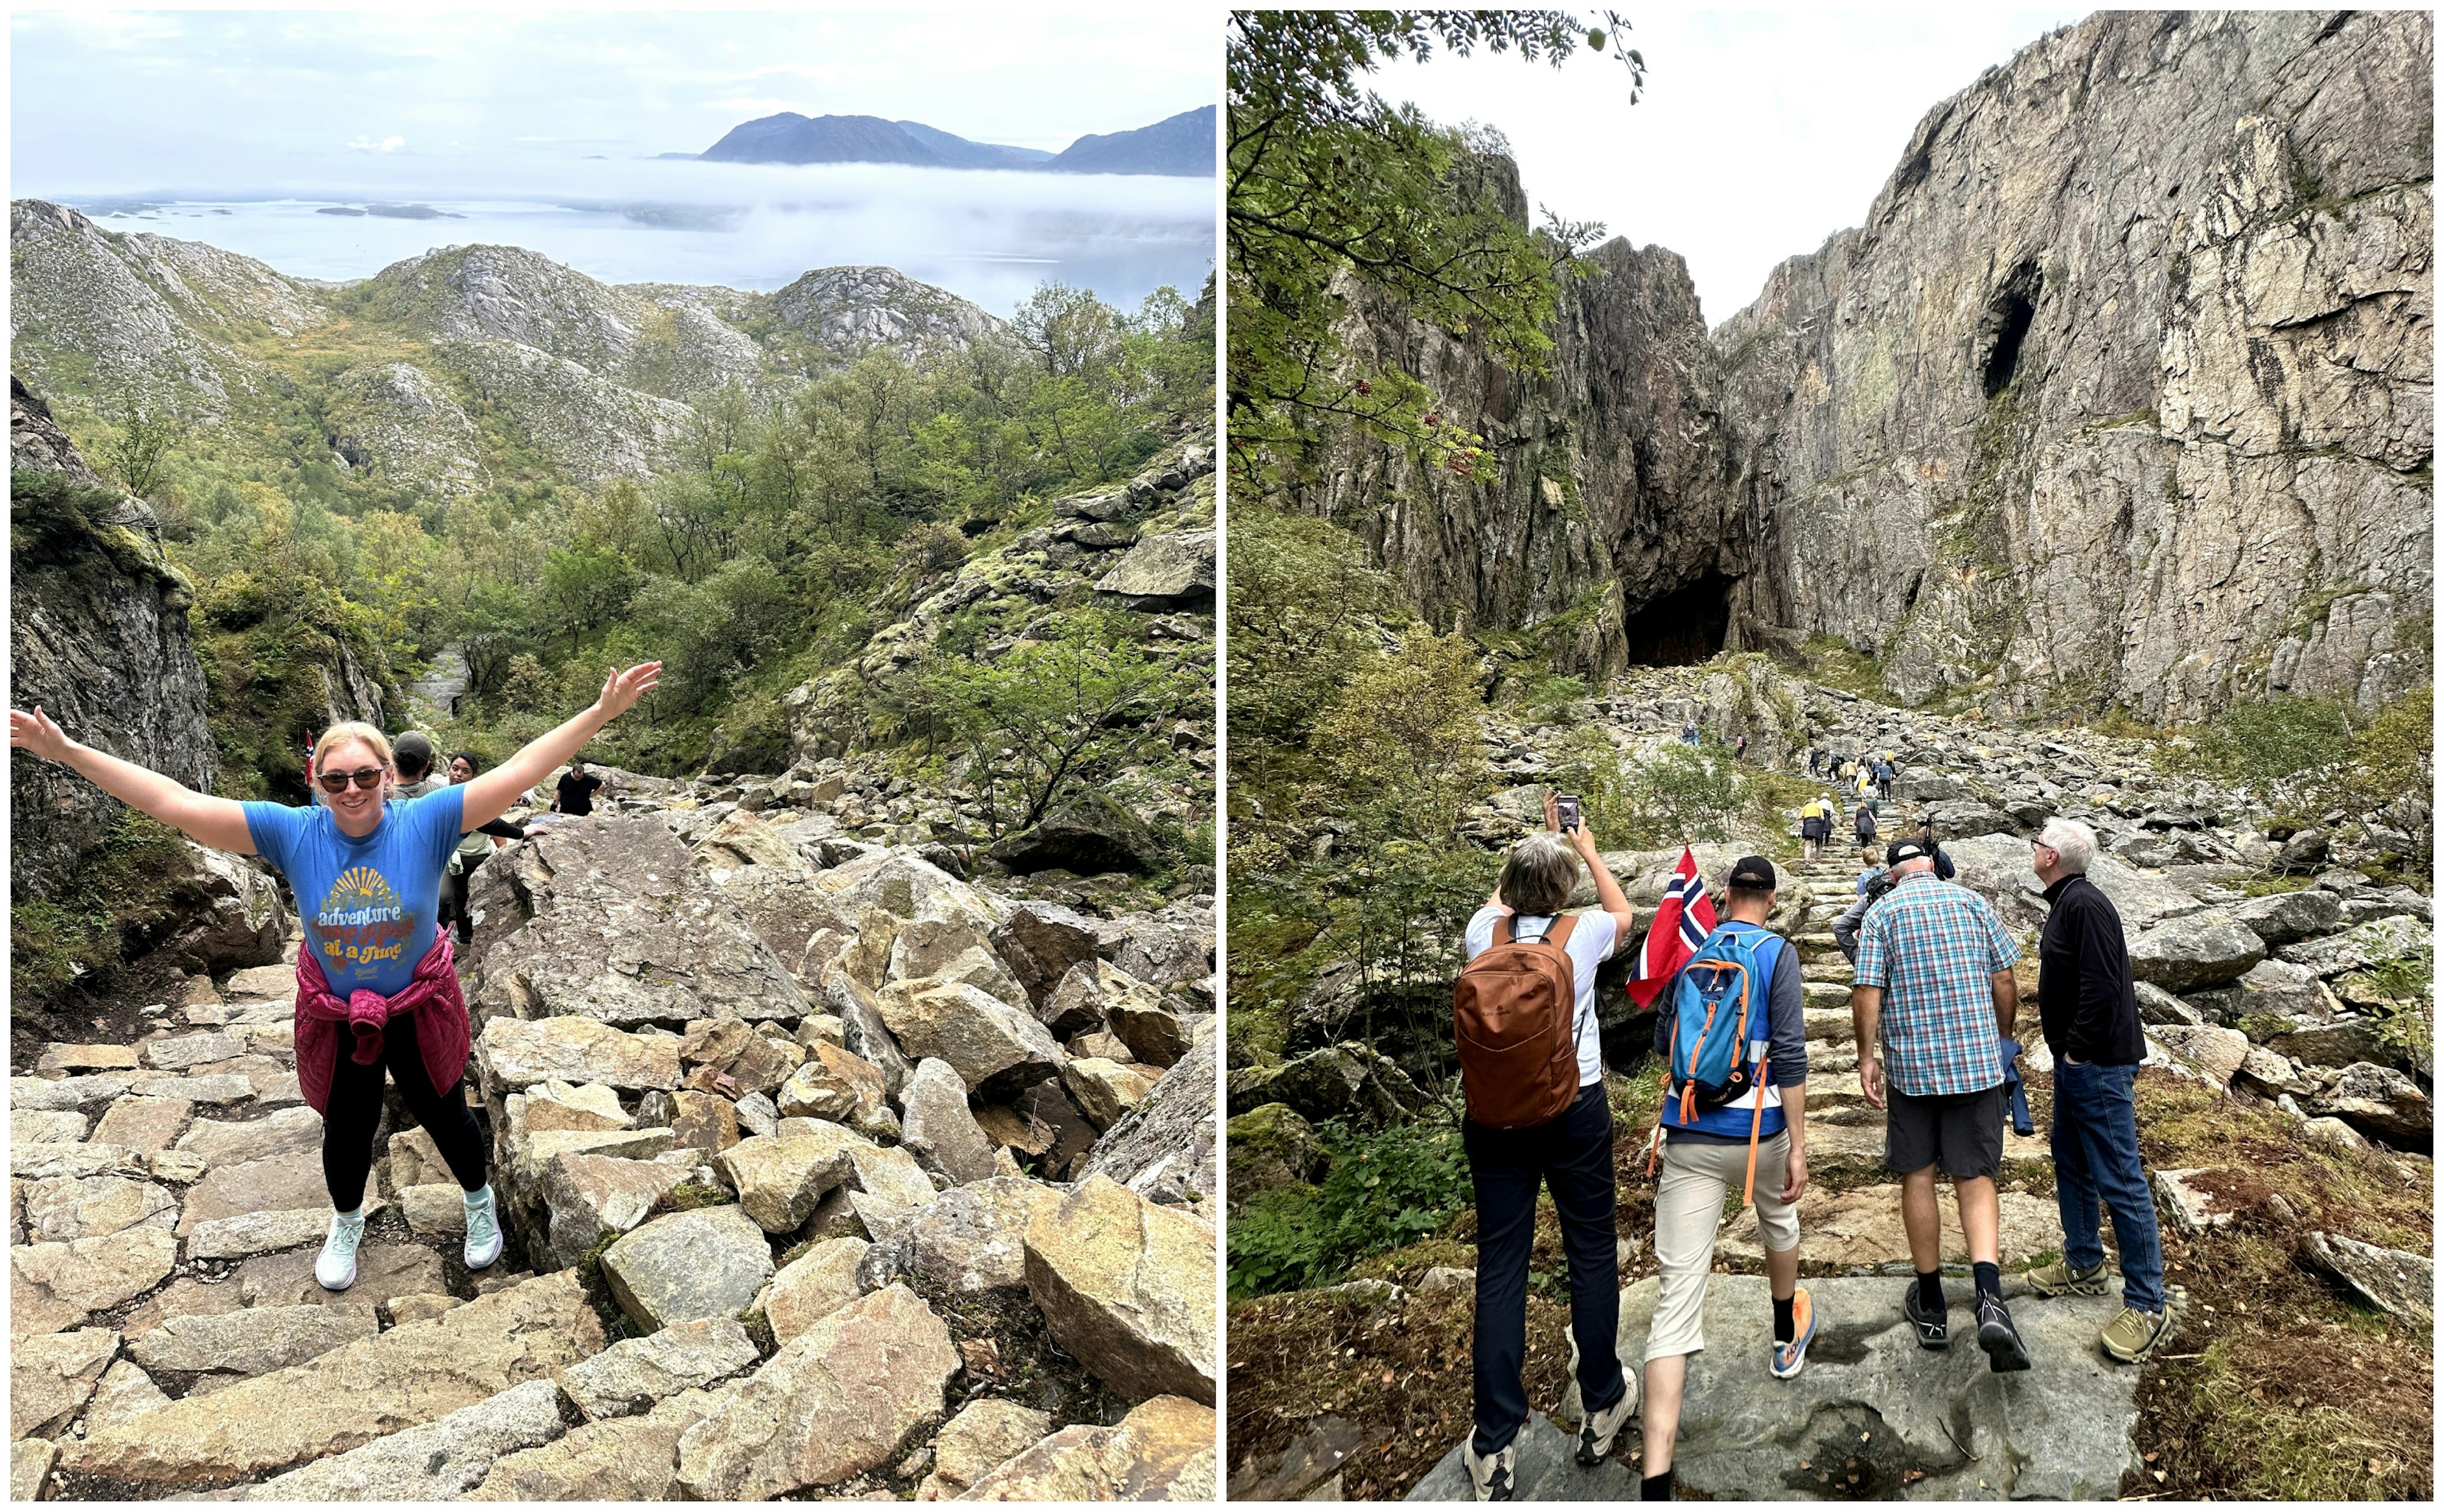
(2072, 842)
(1538, 877)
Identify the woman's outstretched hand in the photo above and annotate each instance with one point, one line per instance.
(621, 690)
(35, 732)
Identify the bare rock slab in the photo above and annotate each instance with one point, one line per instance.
(813, 1286)
(2057, 1431)
(285, 1131)
(383, 1271)
(2393, 1281)
(998, 1050)
(939, 1127)
(1164, 1450)
(29, 1469)
(705, 1262)
(592, 1197)
(985, 1436)
(780, 1179)
(516, 1054)
(1127, 1286)
(436, 1462)
(57, 1286)
(374, 1387)
(625, 1459)
(52, 1376)
(634, 1375)
(252, 1341)
(838, 1400)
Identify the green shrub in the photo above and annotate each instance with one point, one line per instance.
(123, 888)
(1386, 1190)
(1552, 699)
(2265, 741)
(1681, 794)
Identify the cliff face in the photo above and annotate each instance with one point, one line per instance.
(1612, 493)
(2121, 394)
(2123, 391)
(98, 637)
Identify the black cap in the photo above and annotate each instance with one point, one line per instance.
(1905, 850)
(1753, 871)
(414, 748)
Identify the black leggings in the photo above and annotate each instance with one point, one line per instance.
(356, 1110)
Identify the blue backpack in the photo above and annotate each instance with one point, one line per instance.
(1719, 1037)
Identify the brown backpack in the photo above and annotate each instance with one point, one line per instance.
(1512, 1016)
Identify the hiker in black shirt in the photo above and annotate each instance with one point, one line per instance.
(577, 791)
(2090, 1011)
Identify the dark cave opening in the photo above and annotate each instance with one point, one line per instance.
(1684, 627)
(2011, 318)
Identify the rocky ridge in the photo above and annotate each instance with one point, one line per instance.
(2119, 395)
(597, 378)
(834, 1172)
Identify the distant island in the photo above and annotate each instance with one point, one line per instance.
(1181, 146)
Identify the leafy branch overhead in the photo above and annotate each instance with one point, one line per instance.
(1332, 187)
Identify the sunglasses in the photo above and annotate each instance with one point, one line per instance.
(365, 777)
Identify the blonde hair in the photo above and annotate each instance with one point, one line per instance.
(1537, 878)
(341, 734)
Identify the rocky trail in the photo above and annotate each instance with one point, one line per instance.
(2286, 1128)
(824, 1170)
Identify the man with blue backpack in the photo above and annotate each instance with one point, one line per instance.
(1734, 1032)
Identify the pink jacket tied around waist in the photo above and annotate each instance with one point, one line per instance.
(441, 1031)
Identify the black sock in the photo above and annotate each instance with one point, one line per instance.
(1930, 1293)
(1786, 1324)
(1655, 1487)
(1989, 1280)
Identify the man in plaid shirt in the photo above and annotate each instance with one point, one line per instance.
(1933, 979)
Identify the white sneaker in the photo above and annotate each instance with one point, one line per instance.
(336, 1267)
(483, 1229)
(1598, 1430)
(1491, 1474)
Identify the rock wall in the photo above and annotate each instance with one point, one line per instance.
(98, 637)
(2123, 392)
(2124, 389)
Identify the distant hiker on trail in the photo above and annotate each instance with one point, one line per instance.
(1932, 999)
(1740, 746)
(1816, 823)
(1532, 1067)
(412, 753)
(1863, 822)
(473, 850)
(1884, 775)
(1687, 732)
(1871, 888)
(376, 989)
(575, 793)
(1816, 761)
(1734, 1113)
(2090, 1010)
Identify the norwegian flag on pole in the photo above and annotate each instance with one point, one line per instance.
(1681, 924)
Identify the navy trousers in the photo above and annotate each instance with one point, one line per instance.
(1573, 1155)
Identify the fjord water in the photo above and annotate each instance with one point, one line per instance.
(988, 235)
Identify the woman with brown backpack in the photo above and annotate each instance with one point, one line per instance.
(1532, 1067)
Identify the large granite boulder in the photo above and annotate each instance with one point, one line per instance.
(1090, 833)
(604, 917)
(1164, 1450)
(2194, 950)
(998, 1050)
(1163, 1148)
(704, 1263)
(1127, 1286)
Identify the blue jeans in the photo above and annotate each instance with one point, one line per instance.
(1573, 1155)
(2096, 1158)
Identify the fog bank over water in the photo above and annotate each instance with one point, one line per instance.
(988, 237)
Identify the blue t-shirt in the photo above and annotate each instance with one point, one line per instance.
(369, 905)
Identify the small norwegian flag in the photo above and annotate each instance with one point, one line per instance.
(1681, 924)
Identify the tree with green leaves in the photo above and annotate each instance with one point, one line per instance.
(1327, 181)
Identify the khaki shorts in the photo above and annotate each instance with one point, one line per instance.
(1698, 1174)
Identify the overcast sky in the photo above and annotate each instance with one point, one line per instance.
(1759, 134)
(136, 101)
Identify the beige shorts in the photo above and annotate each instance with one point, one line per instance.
(1698, 1174)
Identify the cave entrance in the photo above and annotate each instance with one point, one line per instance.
(1684, 627)
(2014, 310)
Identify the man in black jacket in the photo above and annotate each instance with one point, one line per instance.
(2091, 1022)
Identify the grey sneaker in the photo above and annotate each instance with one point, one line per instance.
(483, 1230)
(1491, 1474)
(1598, 1430)
(336, 1266)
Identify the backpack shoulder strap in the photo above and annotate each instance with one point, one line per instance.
(1501, 932)
(1559, 937)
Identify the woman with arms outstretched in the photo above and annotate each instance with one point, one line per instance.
(377, 987)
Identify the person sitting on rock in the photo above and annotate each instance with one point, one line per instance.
(1572, 1154)
(2090, 1010)
(376, 989)
(1762, 1134)
(1933, 997)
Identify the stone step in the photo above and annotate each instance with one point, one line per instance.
(1829, 1025)
(1825, 994)
(1862, 1226)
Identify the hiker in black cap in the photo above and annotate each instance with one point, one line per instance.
(1759, 1138)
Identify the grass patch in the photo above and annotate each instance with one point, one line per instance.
(2279, 1386)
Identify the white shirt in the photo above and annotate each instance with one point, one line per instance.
(1590, 943)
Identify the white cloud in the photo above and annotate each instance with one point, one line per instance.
(388, 144)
